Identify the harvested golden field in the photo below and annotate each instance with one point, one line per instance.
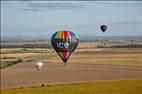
(113, 56)
(110, 87)
(85, 65)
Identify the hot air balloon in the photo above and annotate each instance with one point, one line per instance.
(103, 28)
(39, 65)
(64, 43)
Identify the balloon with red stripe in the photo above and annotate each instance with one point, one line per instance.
(64, 43)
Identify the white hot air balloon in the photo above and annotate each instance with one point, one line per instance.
(39, 65)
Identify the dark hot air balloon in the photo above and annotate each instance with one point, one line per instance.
(64, 43)
(103, 28)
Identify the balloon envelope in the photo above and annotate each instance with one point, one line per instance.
(103, 28)
(39, 65)
(64, 43)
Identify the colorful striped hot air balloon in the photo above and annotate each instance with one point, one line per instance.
(64, 43)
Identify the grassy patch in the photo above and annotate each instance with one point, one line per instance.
(5, 64)
(113, 87)
(25, 51)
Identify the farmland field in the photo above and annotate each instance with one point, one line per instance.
(111, 87)
(88, 67)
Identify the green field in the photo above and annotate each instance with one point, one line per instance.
(109, 87)
(25, 51)
(5, 64)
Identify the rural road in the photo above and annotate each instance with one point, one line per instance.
(25, 74)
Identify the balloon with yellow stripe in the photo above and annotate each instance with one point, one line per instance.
(64, 43)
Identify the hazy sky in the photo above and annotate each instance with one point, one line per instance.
(43, 18)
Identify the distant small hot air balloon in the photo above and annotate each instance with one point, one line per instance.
(64, 43)
(39, 65)
(103, 28)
